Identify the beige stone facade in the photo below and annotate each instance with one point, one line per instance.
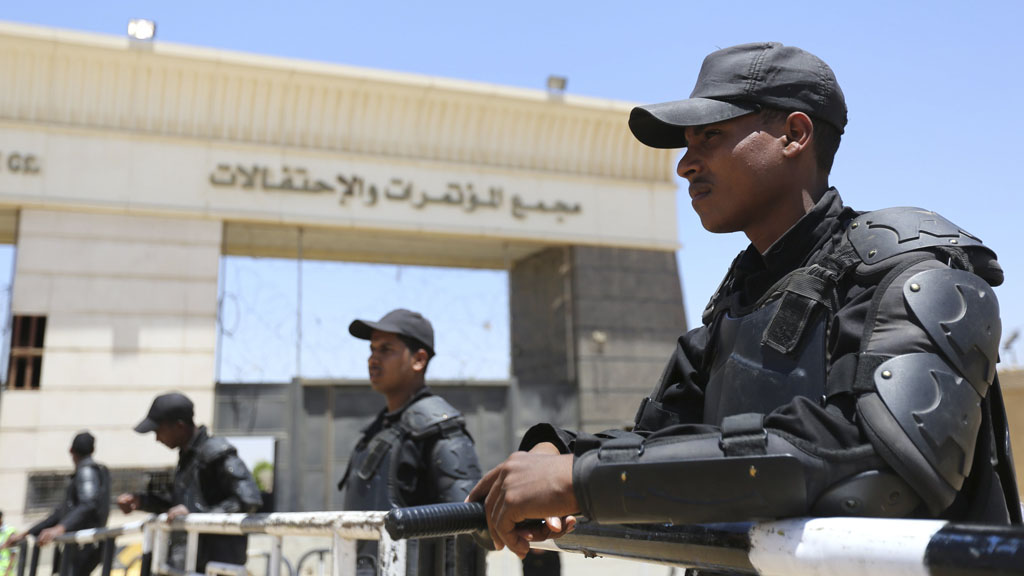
(1012, 381)
(127, 170)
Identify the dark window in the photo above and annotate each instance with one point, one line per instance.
(46, 489)
(26, 360)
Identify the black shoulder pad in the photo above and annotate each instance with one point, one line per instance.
(88, 482)
(885, 233)
(430, 415)
(214, 449)
(961, 315)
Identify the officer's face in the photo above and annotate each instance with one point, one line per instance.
(393, 367)
(738, 179)
(172, 434)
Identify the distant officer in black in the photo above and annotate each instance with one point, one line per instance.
(416, 451)
(210, 478)
(86, 505)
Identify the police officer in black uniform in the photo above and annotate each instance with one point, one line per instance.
(210, 478)
(86, 505)
(846, 366)
(416, 451)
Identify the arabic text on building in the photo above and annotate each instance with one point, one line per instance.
(354, 189)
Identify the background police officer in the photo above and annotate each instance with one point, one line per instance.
(845, 367)
(416, 451)
(210, 477)
(86, 505)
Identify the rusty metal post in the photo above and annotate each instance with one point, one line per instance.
(391, 556)
(192, 552)
(343, 551)
(160, 548)
(274, 569)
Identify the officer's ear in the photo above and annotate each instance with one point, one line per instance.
(798, 135)
(420, 359)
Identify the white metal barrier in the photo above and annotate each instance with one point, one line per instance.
(343, 528)
(791, 547)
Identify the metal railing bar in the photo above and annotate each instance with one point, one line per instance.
(34, 565)
(343, 552)
(22, 557)
(274, 567)
(321, 552)
(109, 547)
(192, 552)
(355, 525)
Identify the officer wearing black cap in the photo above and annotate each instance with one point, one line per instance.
(86, 505)
(844, 367)
(416, 451)
(210, 477)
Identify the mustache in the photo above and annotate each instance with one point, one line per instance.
(698, 185)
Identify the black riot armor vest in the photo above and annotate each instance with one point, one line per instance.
(370, 482)
(747, 376)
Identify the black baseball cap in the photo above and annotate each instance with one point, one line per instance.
(400, 321)
(740, 80)
(83, 443)
(166, 408)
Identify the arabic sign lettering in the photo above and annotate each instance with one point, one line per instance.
(20, 163)
(355, 189)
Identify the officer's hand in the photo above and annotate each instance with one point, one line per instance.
(127, 503)
(48, 535)
(14, 539)
(554, 526)
(176, 512)
(528, 485)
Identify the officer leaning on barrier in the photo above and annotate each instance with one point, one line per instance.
(210, 478)
(86, 505)
(416, 451)
(846, 366)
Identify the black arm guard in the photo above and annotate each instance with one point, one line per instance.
(694, 479)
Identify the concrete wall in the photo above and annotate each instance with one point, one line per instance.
(627, 314)
(543, 359)
(131, 306)
(592, 329)
(1012, 383)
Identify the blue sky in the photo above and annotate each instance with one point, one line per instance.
(932, 87)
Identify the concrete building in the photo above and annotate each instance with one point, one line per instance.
(128, 170)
